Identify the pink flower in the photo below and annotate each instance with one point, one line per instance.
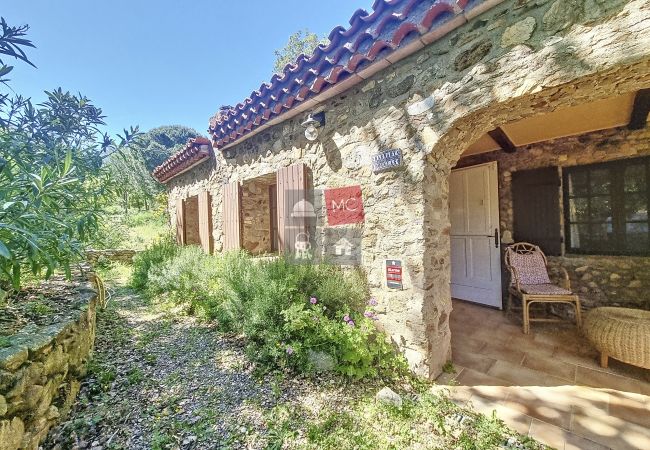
(351, 323)
(346, 318)
(369, 314)
(289, 350)
(373, 302)
(313, 300)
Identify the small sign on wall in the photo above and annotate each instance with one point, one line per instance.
(394, 274)
(344, 205)
(386, 160)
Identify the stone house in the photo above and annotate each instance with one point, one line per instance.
(429, 134)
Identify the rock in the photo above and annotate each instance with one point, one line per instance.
(388, 396)
(519, 33)
(635, 284)
(11, 433)
(421, 107)
(473, 55)
(322, 362)
(561, 14)
(614, 277)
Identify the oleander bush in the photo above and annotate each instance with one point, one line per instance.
(301, 318)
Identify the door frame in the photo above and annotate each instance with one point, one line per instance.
(496, 225)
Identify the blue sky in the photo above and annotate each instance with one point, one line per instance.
(151, 63)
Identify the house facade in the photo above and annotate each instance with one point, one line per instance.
(441, 131)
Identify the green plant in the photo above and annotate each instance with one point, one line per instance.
(135, 375)
(52, 180)
(153, 257)
(5, 342)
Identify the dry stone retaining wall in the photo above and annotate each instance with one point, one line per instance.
(40, 374)
(518, 59)
(121, 255)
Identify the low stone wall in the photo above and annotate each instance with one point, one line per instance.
(122, 255)
(40, 374)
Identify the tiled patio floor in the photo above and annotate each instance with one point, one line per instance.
(547, 384)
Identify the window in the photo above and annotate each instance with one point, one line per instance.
(606, 207)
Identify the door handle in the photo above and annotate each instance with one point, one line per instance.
(496, 238)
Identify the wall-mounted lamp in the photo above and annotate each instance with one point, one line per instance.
(312, 124)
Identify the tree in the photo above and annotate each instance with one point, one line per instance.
(52, 178)
(132, 167)
(300, 42)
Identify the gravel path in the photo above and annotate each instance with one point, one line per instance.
(163, 380)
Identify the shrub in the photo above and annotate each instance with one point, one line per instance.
(153, 256)
(295, 317)
(189, 277)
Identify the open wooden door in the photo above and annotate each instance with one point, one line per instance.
(231, 197)
(180, 221)
(205, 221)
(475, 244)
(293, 183)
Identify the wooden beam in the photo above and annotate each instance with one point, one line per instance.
(640, 110)
(500, 137)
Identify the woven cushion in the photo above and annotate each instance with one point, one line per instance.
(530, 268)
(543, 289)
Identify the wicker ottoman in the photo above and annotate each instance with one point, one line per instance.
(621, 333)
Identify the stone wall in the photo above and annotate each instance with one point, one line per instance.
(192, 236)
(256, 215)
(40, 374)
(518, 59)
(123, 255)
(600, 280)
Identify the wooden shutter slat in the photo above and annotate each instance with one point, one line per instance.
(536, 208)
(231, 195)
(180, 221)
(292, 185)
(205, 221)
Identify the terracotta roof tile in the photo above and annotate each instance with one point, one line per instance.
(371, 37)
(392, 24)
(194, 152)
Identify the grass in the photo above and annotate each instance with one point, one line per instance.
(425, 420)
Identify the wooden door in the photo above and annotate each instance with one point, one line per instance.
(205, 221)
(292, 184)
(231, 197)
(180, 221)
(474, 217)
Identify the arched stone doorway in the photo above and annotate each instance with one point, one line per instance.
(587, 65)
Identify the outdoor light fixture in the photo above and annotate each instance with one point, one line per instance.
(312, 124)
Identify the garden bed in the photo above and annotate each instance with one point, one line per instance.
(39, 305)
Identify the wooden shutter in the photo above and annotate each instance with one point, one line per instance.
(231, 196)
(205, 221)
(180, 221)
(292, 184)
(536, 208)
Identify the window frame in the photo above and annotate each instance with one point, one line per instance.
(617, 199)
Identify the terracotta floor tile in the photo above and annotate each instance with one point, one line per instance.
(473, 361)
(575, 442)
(548, 434)
(556, 368)
(611, 431)
(540, 405)
(471, 377)
(503, 352)
(630, 410)
(465, 343)
(523, 376)
(596, 378)
(514, 419)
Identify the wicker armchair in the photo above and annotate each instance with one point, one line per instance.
(529, 281)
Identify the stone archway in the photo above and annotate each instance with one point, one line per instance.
(587, 64)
